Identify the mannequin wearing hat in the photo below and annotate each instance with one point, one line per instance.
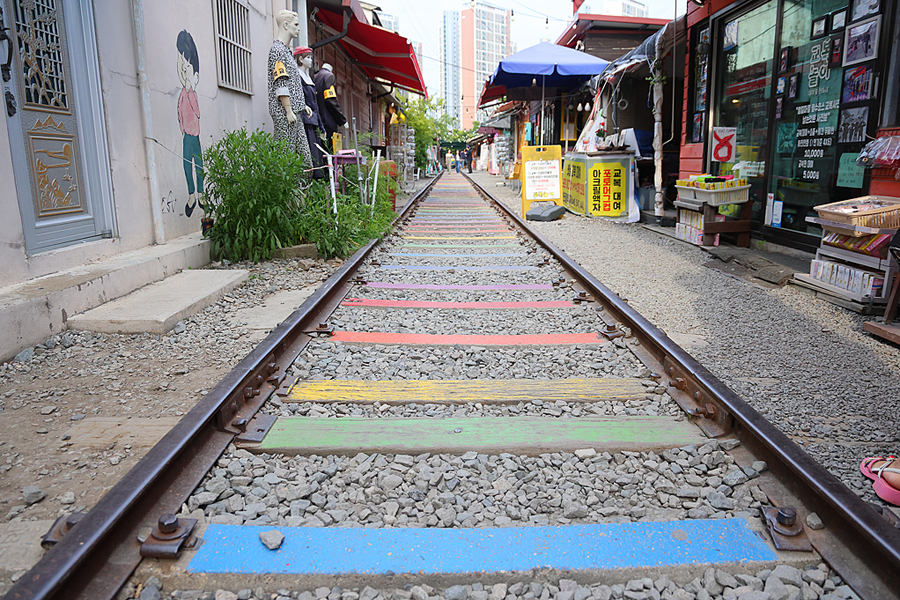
(329, 107)
(285, 87)
(311, 123)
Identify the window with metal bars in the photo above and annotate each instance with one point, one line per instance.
(233, 56)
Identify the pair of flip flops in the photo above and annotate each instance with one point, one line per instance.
(885, 491)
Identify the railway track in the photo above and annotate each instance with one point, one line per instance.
(462, 405)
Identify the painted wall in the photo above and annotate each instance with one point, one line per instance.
(221, 109)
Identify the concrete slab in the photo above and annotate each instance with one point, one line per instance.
(98, 432)
(274, 309)
(20, 544)
(156, 308)
(36, 309)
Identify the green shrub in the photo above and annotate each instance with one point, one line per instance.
(253, 190)
(354, 225)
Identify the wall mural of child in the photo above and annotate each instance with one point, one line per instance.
(189, 118)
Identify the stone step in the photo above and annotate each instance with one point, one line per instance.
(156, 308)
(489, 435)
(36, 309)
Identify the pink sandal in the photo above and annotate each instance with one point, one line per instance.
(885, 491)
(866, 465)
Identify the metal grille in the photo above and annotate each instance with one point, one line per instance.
(233, 45)
(40, 50)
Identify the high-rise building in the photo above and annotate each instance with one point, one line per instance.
(484, 41)
(391, 22)
(417, 49)
(625, 8)
(450, 90)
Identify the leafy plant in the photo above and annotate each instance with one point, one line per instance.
(354, 224)
(253, 190)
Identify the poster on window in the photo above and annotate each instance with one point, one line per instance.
(723, 144)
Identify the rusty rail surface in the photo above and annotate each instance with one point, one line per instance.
(867, 552)
(96, 557)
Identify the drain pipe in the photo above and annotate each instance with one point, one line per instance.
(137, 20)
(334, 38)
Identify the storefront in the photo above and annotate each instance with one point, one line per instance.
(785, 93)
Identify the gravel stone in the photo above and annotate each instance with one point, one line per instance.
(33, 494)
(271, 539)
(814, 521)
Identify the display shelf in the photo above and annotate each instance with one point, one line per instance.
(872, 262)
(842, 227)
(854, 260)
(835, 290)
(739, 226)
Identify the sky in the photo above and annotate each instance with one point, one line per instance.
(420, 21)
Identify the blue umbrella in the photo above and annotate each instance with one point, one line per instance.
(553, 65)
(556, 66)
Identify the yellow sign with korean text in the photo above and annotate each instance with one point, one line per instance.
(541, 175)
(573, 185)
(608, 190)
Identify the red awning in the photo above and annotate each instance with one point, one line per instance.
(378, 52)
(491, 92)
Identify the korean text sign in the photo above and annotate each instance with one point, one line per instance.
(608, 189)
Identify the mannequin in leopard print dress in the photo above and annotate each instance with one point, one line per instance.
(286, 88)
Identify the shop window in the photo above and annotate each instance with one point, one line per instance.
(233, 56)
(822, 111)
(739, 144)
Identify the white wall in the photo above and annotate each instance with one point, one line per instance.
(220, 110)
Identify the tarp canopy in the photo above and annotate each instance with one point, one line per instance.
(378, 52)
(645, 52)
(545, 65)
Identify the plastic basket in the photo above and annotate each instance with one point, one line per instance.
(735, 195)
(868, 211)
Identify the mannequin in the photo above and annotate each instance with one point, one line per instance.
(286, 89)
(329, 108)
(311, 123)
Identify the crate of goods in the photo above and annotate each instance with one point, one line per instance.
(718, 197)
(880, 212)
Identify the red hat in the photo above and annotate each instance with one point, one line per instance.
(302, 50)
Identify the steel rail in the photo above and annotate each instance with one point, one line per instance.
(868, 553)
(97, 556)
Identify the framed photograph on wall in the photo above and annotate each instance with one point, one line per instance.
(857, 84)
(697, 134)
(779, 87)
(854, 122)
(784, 62)
(779, 106)
(838, 20)
(860, 9)
(792, 86)
(861, 41)
(819, 28)
(837, 51)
